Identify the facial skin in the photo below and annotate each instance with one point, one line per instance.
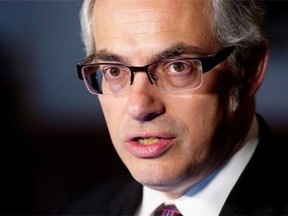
(194, 129)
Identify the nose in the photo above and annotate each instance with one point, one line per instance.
(144, 102)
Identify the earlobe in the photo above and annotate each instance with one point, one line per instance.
(255, 68)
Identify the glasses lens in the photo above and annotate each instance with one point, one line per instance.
(106, 78)
(173, 76)
(92, 78)
(177, 75)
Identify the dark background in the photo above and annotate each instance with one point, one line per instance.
(54, 141)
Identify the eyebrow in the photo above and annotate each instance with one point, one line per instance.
(105, 55)
(180, 49)
(176, 50)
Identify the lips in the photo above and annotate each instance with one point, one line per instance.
(149, 146)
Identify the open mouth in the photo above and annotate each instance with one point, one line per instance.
(149, 146)
(147, 141)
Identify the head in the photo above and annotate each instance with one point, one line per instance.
(171, 141)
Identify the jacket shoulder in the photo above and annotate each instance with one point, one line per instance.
(262, 187)
(118, 196)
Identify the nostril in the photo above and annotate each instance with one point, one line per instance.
(150, 116)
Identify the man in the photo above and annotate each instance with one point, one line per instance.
(177, 82)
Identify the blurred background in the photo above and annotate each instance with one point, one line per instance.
(54, 141)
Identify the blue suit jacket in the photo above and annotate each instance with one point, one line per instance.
(262, 188)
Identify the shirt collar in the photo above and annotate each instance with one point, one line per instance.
(209, 195)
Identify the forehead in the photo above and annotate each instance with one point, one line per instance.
(130, 25)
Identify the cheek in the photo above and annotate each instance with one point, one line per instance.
(114, 112)
(197, 111)
(204, 119)
(199, 117)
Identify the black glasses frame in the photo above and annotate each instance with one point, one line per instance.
(207, 63)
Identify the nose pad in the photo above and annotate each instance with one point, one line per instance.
(141, 70)
(148, 76)
(139, 81)
(151, 77)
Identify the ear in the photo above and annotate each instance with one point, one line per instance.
(255, 68)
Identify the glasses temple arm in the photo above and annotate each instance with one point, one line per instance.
(211, 61)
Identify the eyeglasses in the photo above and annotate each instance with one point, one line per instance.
(169, 76)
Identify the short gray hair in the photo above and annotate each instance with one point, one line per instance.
(235, 22)
(86, 21)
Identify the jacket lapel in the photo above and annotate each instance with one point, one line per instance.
(262, 187)
(127, 199)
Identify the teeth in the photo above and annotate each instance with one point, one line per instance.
(148, 141)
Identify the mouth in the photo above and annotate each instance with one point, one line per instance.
(147, 141)
(149, 146)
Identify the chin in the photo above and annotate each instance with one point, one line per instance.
(157, 181)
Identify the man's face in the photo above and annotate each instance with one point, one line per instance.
(168, 142)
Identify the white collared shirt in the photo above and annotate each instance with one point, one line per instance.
(208, 196)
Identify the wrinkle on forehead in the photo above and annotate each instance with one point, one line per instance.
(143, 27)
(130, 21)
(141, 15)
(157, 15)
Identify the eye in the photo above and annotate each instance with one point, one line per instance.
(178, 66)
(112, 71)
